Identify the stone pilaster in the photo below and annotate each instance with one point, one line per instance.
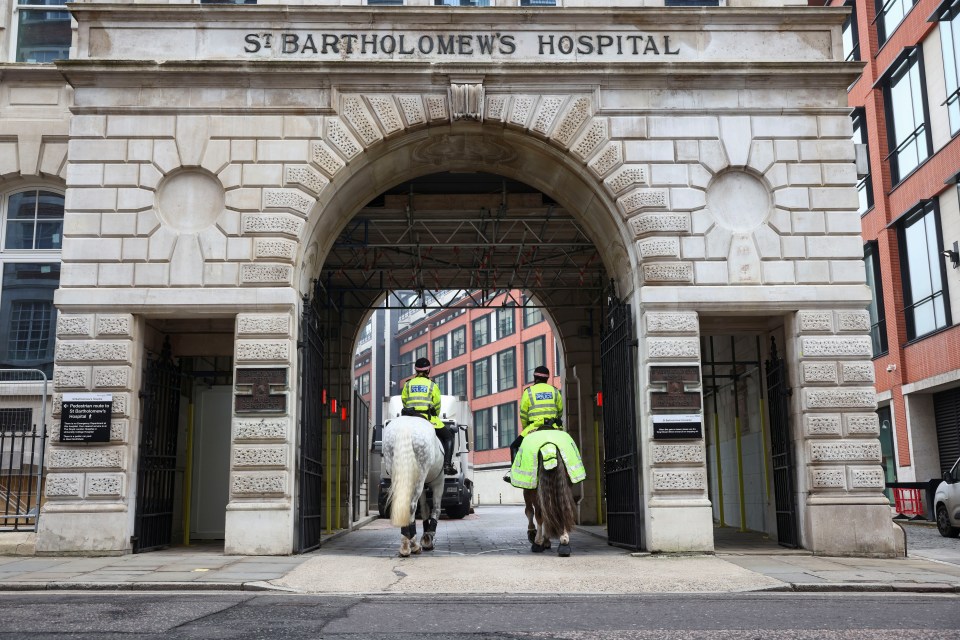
(678, 515)
(837, 444)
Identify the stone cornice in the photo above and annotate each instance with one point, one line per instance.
(30, 72)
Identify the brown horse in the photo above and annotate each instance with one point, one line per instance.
(553, 507)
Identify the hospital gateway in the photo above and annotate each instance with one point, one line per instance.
(242, 184)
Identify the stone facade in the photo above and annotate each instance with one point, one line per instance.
(189, 194)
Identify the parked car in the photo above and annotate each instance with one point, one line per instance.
(946, 502)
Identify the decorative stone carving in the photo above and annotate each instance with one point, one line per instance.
(275, 248)
(820, 372)
(262, 324)
(674, 453)
(263, 484)
(626, 177)
(446, 149)
(62, 485)
(608, 160)
(306, 177)
(843, 451)
(356, 114)
(668, 272)
(71, 377)
(546, 114)
(74, 326)
(84, 458)
(342, 139)
(325, 158)
(466, 101)
(387, 113)
(412, 109)
(437, 108)
(867, 478)
(89, 351)
(288, 199)
(105, 484)
(266, 223)
(263, 350)
(115, 325)
(811, 321)
(837, 347)
(738, 201)
(840, 398)
(659, 248)
(111, 377)
(520, 111)
(591, 139)
(496, 107)
(866, 424)
(678, 480)
(672, 348)
(858, 371)
(189, 200)
(260, 429)
(266, 273)
(646, 223)
(259, 456)
(821, 424)
(858, 321)
(827, 479)
(573, 119)
(672, 322)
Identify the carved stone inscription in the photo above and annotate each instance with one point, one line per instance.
(261, 389)
(676, 396)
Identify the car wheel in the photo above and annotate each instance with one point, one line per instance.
(946, 529)
(458, 511)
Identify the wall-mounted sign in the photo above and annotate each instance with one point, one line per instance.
(677, 426)
(676, 396)
(261, 390)
(85, 417)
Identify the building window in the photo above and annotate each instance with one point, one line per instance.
(440, 350)
(865, 184)
(462, 3)
(482, 430)
(16, 419)
(949, 19)
(228, 1)
(507, 369)
(505, 322)
(383, 3)
(924, 296)
(43, 31)
(691, 3)
(851, 34)
(34, 220)
(458, 342)
(458, 382)
(419, 352)
(534, 355)
(441, 381)
(27, 315)
(890, 13)
(481, 331)
(906, 105)
(538, 3)
(878, 321)
(532, 316)
(507, 423)
(481, 378)
(363, 384)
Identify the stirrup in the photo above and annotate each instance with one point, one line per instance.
(506, 478)
(449, 470)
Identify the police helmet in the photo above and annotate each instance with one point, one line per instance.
(422, 364)
(541, 372)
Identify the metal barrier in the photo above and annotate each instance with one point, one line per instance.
(908, 502)
(24, 398)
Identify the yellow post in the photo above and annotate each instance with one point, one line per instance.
(188, 477)
(596, 450)
(329, 479)
(716, 447)
(743, 510)
(339, 475)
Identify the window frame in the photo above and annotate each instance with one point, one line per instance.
(16, 29)
(504, 313)
(486, 443)
(5, 220)
(461, 332)
(911, 59)
(454, 374)
(878, 317)
(529, 311)
(527, 368)
(858, 119)
(482, 380)
(884, 33)
(439, 355)
(935, 264)
(950, 15)
(507, 434)
(850, 26)
(481, 321)
(512, 382)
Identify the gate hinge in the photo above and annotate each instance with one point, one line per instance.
(635, 343)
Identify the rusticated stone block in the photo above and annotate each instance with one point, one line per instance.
(70, 326)
(867, 478)
(275, 248)
(665, 322)
(858, 321)
(272, 224)
(290, 199)
(845, 451)
(260, 429)
(266, 273)
(828, 479)
(263, 350)
(862, 424)
(111, 377)
(251, 324)
(815, 321)
(107, 485)
(679, 480)
(92, 351)
(853, 398)
(71, 377)
(63, 485)
(647, 223)
(821, 424)
(672, 348)
(672, 272)
(837, 347)
(857, 372)
(275, 456)
(659, 247)
(85, 458)
(819, 372)
(640, 199)
(259, 484)
(677, 453)
(115, 325)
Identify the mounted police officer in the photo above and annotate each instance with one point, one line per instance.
(541, 406)
(421, 396)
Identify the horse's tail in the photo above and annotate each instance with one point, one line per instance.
(556, 499)
(403, 476)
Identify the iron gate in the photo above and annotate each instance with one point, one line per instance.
(622, 465)
(157, 467)
(310, 467)
(361, 449)
(23, 407)
(778, 394)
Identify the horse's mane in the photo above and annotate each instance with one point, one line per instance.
(555, 497)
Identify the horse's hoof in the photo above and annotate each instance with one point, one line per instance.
(531, 535)
(415, 549)
(426, 543)
(536, 548)
(563, 551)
(547, 544)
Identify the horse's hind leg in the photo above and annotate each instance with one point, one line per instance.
(408, 537)
(564, 549)
(430, 517)
(529, 498)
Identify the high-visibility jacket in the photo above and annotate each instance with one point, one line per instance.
(422, 394)
(539, 402)
(549, 443)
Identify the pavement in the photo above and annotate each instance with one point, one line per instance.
(487, 553)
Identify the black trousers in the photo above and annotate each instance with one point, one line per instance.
(447, 438)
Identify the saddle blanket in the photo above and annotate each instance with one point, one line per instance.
(551, 442)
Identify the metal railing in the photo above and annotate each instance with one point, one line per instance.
(24, 398)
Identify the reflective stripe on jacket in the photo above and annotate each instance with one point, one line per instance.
(552, 442)
(539, 402)
(422, 394)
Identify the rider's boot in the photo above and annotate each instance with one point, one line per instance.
(447, 442)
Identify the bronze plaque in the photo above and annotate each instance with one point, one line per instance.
(675, 400)
(261, 390)
(674, 374)
(676, 396)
